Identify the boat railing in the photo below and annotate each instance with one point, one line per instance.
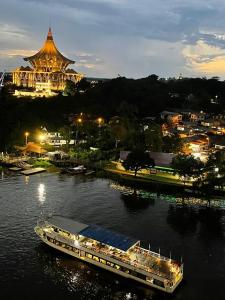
(155, 254)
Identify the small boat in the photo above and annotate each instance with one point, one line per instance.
(110, 251)
(73, 171)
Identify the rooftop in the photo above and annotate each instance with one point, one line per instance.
(48, 58)
(66, 224)
(94, 232)
(108, 237)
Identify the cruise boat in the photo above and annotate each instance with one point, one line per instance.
(111, 251)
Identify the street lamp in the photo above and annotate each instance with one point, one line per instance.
(26, 136)
(41, 138)
(99, 120)
(79, 121)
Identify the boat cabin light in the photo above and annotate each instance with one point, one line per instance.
(76, 243)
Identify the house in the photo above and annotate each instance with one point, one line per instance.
(210, 123)
(218, 142)
(172, 118)
(55, 139)
(197, 143)
(196, 117)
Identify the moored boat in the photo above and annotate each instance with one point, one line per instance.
(75, 170)
(111, 251)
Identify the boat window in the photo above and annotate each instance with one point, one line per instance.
(141, 276)
(102, 261)
(117, 267)
(149, 279)
(88, 255)
(158, 282)
(96, 258)
(109, 264)
(133, 273)
(125, 270)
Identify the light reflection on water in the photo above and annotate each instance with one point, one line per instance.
(185, 227)
(41, 193)
(192, 201)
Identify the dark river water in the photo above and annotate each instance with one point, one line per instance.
(29, 269)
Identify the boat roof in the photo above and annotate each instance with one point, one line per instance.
(66, 224)
(94, 232)
(108, 237)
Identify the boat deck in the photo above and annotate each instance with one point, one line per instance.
(137, 257)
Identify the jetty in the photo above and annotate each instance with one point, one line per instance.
(32, 171)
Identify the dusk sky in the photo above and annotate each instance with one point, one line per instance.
(133, 38)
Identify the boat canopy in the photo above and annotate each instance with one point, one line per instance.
(94, 232)
(65, 224)
(108, 237)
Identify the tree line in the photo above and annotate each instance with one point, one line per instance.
(131, 99)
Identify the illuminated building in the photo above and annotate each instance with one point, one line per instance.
(49, 70)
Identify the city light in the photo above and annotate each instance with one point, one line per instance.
(100, 121)
(41, 138)
(26, 136)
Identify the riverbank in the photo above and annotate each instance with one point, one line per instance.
(158, 183)
(161, 181)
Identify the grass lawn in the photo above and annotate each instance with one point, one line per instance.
(159, 177)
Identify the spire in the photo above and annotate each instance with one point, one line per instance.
(49, 36)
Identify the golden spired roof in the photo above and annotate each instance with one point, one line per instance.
(49, 59)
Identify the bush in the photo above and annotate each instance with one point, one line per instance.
(42, 163)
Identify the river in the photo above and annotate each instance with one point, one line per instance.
(191, 230)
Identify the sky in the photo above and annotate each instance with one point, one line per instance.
(133, 38)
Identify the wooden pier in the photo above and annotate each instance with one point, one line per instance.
(32, 171)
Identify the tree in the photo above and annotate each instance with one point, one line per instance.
(153, 138)
(118, 129)
(172, 144)
(83, 85)
(65, 132)
(70, 88)
(215, 171)
(137, 160)
(187, 166)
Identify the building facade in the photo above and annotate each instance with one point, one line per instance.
(48, 67)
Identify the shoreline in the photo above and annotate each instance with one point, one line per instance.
(159, 185)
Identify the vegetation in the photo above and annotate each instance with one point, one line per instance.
(41, 163)
(187, 167)
(137, 160)
(129, 99)
(172, 144)
(153, 138)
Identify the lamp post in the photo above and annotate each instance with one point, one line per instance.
(79, 121)
(99, 120)
(26, 136)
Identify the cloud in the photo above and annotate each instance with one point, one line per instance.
(17, 53)
(107, 37)
(205, 59)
